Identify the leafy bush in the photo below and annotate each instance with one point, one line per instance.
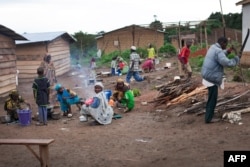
(194, 48)
(196, 62)
(168, 48)
(231, 55)
(143, 53)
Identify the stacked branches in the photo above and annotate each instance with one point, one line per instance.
(180, 89)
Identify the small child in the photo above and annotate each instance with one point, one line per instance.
(92, 63)
(121, 65)
(41, 92)
(113, 65)
(66, 98)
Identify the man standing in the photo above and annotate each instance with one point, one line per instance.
(183, 64)
(213, 71)
(134, 67)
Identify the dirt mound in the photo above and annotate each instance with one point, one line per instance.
(201, 52)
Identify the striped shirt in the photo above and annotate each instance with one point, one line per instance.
(134, 62)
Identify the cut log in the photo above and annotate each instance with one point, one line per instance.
(237, 97)
(184, 97)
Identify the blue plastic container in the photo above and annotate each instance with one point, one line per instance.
(24, 117)
(108, 94)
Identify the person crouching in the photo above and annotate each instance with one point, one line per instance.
(66, 98)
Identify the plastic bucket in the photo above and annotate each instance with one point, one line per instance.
(108, 94)
(168, 65)
(157, 61)
(24, 117)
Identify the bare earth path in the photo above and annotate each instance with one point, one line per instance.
(145, 137)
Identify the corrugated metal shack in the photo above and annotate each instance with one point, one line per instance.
(31, 53)
(8, 71)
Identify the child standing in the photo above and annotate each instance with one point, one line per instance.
(113, 65)
(41, 91)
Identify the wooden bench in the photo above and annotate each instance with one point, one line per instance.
(42, 143)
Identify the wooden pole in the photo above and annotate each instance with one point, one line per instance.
(179, 35)
(223, 20)
(201, 35)
(205, 29)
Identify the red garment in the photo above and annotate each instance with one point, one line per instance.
(121, 65)
(184, 54)
(148, 64)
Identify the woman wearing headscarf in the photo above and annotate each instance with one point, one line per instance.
(99, 109)
(50, 73)
(13, 103)
(49, 69)
(66, 98)
(123, 96)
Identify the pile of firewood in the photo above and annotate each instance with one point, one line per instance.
(224, 104)
(177, 91)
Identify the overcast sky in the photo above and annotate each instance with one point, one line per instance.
(92, 16)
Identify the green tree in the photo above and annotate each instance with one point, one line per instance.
(232, 20)
(85, 45)
(156, 25)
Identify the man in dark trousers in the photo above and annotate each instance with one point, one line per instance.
(213, 71)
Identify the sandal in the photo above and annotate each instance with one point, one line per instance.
(39, 124)
(117, 116)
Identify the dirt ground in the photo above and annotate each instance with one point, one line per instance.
(148, 136)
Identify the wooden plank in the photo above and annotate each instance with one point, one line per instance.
(62, 71)
(4, 58)
(58, 49)
(8, 82)
(7, 88)
(32, 57)
(4, 94)
(61, 56)
(7, 71)
(28, 71)
(61, 52)
(28, 67)
(7, 64)
(58, 41)
(30, 63)
(6, 77)
(10, 51)
(31, 49)
(7, 44)
(62, 64)
(26, 141)
(24, 80)
(27, 75)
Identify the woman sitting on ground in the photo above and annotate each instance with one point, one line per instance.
(13, 103)
(123, 96)
(99, 109)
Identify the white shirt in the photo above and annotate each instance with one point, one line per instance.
(209, 84)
